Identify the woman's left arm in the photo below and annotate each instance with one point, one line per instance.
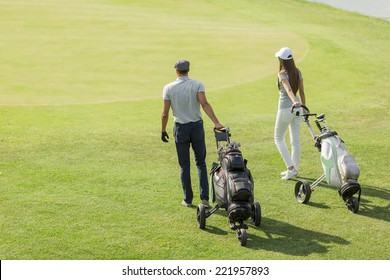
(290, 93)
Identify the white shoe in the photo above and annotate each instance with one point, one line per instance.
(290, 174)
(283, 173)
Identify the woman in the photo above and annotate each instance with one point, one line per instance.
(290, 81)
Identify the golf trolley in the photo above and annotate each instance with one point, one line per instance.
(231, 187)
(340, 169)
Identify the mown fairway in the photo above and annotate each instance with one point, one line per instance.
(84, 174)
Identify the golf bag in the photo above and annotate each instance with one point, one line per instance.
(231, 187)
(340, 168)
(232, 183)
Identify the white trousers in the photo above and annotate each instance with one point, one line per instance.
(285, 119)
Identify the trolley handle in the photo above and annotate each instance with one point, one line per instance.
(223, 129)
(222, 134)
(306, 115)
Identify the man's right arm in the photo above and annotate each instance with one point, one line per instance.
(208, 109)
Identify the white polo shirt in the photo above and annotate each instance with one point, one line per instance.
(183, 95)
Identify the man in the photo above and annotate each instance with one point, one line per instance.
(185, 96)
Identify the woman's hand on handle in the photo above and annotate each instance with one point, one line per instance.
(297, 104)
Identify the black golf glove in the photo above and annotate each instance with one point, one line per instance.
(164, 136)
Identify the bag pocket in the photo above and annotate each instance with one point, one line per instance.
(234, 162)
(240, 189)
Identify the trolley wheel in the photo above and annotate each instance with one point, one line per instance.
(256, 213)
(353, 204)
(302, 191)
(201, 216)
(242, 236)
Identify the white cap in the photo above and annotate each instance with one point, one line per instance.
(284, 53)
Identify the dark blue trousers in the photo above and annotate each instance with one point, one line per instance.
(186, 135)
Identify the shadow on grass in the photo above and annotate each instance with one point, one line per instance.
(282, 237)
(216, 230)
(367, 207)
(291, 240)
(318, 205)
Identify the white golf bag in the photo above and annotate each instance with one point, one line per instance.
(341, 169)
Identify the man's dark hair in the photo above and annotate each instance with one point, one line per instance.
(183, 72)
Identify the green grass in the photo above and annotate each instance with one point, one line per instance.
(84, 174)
